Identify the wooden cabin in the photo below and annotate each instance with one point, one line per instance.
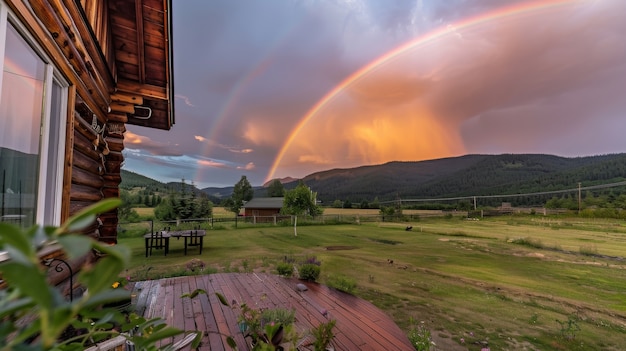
(73, 74)
(263, 206)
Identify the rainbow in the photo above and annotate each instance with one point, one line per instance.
(500, 13)
(236, 93)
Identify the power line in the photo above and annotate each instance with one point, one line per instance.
(591, 187)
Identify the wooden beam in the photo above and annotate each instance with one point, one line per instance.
(96, 52)
(140, 44)
(117, 107)
(45, 37)
(52, 22)
(118, 117)
(145, 90)
(127, 98)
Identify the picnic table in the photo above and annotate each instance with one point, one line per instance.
(161, 239)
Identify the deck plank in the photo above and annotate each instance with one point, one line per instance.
(360, 324)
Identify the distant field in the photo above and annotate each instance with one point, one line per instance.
(222, 212)
(513, 283)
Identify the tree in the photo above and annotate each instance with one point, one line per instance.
(275, 189)
(125, 211)
(298, 201)
(241, 193)
(184, 205)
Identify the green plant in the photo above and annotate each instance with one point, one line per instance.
(342, 283)
(323, 334)
(52, 322)
(285, 269)
(279, 315)
(420, 336)
(267, 329)
(309, 271)
(569, 328)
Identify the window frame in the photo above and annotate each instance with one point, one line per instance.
(53, 128)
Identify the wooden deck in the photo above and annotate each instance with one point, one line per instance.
(360, 325)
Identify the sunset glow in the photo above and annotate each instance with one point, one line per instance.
(275, 90)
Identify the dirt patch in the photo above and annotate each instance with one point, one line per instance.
(334, 248)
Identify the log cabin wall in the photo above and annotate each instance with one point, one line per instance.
(100, 50)
(116, 55)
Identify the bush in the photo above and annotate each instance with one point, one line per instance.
(420, 336)
(285, 269)
(309, 271)
(28, 292)
(342, 283)
(279, 315)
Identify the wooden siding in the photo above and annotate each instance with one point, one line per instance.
(360, 325)
(86, 42)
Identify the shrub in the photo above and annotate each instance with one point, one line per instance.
(342, 283)
(279, 315)
(285, 269)
(323, 335)
(309, 272)
(29, 294)
(420, 336)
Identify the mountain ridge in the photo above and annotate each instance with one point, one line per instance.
(467, 175)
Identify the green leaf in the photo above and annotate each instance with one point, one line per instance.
(194, 293)
(86, 217)
(11, 235)
(13, 306)
(28, 279)
(106, 296)
(196, 341)
(231, 342)
(222, 299)
(163, 333)
(76, 245)
(100, 276)
(120, 252)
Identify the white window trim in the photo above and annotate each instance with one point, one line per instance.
(52, 74)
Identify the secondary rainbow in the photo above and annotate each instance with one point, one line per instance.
(500, 13)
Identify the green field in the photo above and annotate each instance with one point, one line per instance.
(514, 283)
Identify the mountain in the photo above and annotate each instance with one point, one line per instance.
(131, 180)
(281, 180)
(467, 175)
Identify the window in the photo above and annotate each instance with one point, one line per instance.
(33, 109)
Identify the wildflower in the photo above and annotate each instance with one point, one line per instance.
(462, 340)
(115, 285)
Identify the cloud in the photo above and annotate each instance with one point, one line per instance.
(506, 85)
(212, 164)
(546, 81)
(247, 167)
(149, 145)
(185, 99)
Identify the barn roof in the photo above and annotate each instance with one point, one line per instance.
(265, 202)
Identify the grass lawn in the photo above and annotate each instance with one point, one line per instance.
(514, 283)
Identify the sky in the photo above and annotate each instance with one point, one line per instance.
(286, 88)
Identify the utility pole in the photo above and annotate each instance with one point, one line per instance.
(474, 203)
(579, 197)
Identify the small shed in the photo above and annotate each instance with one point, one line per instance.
(263, 206)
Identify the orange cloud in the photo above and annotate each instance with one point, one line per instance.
(248, 167)
(208, 163)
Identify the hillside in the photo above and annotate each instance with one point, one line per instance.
(465, 176)
(469, 175)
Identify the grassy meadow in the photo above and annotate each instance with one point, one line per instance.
(512, 283)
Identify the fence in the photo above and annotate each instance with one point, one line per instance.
(140, 228)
